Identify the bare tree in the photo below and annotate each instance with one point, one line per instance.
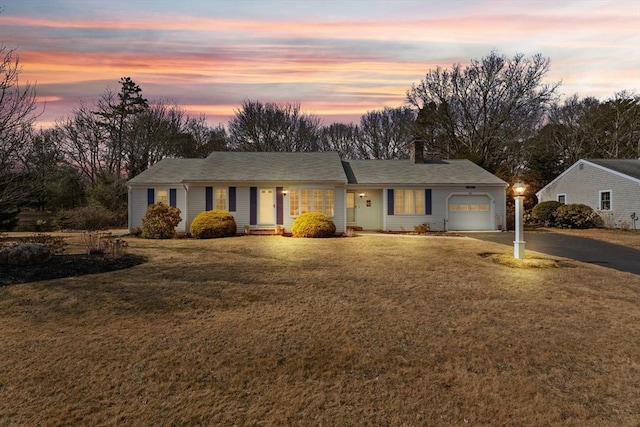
(17, 114)
(200, 139)
(273, 127)
(385, 134)
(485, 111)
(340, 138)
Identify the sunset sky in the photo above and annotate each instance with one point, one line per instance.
(338, 59)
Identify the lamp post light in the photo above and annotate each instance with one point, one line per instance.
(518, 244)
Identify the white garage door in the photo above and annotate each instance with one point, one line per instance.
(469, 212)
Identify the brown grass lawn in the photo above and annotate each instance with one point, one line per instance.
(372, 330)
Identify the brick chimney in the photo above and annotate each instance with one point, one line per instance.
(417, 150)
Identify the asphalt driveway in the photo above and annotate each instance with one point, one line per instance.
(583, 249)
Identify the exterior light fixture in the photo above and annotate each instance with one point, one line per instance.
(518, 244)
(285, 191)
(362, 195)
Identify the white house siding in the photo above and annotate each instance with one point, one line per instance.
(437, 221)
(339, 213)
(138, 204)
(242, 213)
(196, 203)
(584, 186)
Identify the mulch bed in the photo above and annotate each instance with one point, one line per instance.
(61, 266)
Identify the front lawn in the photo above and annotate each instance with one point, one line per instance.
(370, 330)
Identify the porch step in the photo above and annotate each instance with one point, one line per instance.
(263, 231)
(354, 228)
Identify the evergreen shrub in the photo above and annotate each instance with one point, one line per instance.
(313, 224)
(543, 212)
(160, 221)
(577, 216)
(213, 224)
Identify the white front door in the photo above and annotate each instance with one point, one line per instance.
(267, 203)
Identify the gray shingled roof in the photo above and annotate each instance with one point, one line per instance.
(408, 172)
(313, 167)
(247, 167)
(629, 167)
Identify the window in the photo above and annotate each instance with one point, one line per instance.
(162, 196)
(311, 200)
(605, 200)
(221, 199)
(329, 200)
(318, 201)
(562, 198)
(306, 201)
(409, 202)
(294, 202)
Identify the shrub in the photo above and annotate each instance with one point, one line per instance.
(105, 244)
(313, 224)
(421, 229)
(576, 216)
(89, 218)
(543, 212)
(212, 224)
(160, 221)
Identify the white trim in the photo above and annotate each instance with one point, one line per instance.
(563, 195)
(600, 192)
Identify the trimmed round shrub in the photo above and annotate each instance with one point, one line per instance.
(212, 224)
(543, 212)
(313, 224)
(160, 221)
(576, 216)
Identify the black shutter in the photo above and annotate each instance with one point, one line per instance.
(208, 198)
(390, 202)
(151, 195)
(427, 202)
(253, 205)
(172, 197)
(232, 199)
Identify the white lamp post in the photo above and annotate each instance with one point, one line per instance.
(518, 244)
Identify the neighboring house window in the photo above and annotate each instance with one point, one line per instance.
(409, 202)
(162, 196)
(311, 200)
(562, 198)
(221, 199)
(605, 200)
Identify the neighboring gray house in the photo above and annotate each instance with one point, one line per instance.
(267, 189)
(609, 186)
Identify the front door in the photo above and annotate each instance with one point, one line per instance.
(267, 203)
(351, 207)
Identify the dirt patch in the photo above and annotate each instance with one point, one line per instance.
(528, 262)
(61, 266)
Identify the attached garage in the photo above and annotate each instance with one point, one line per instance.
(469, 212)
